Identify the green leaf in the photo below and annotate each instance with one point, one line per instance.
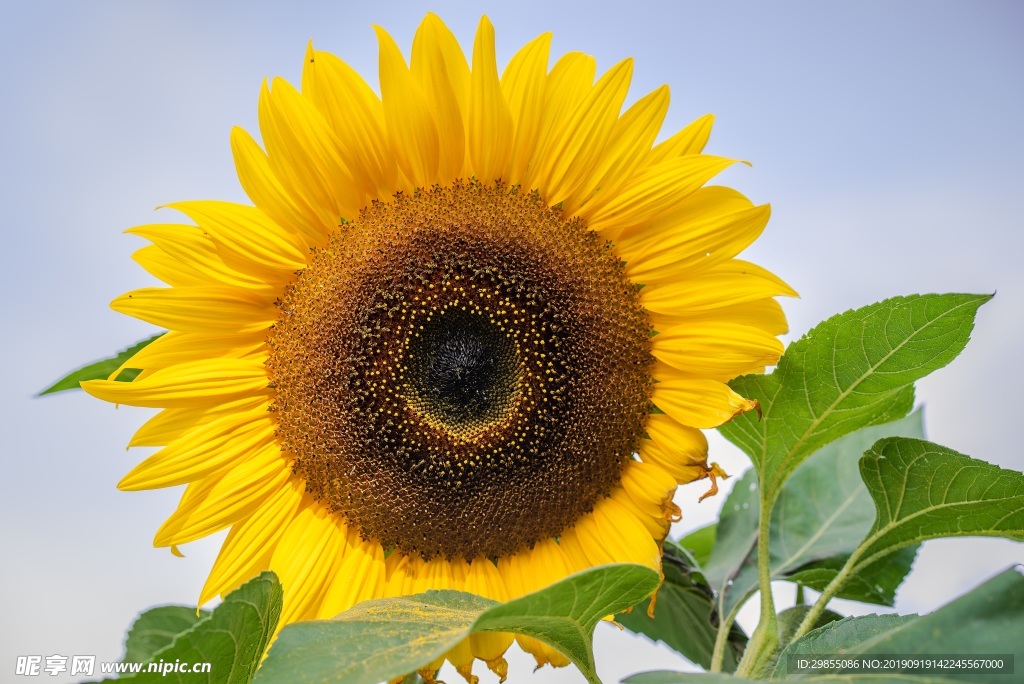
(821, 515)
(157, 628)
(700, 542)
(876, 583)
(374, 641)
(853, 370)
(384, 639)
(232, 638)
(684, 619)
(986, 621)
(925, 491)
(824, 510)
(101, 370)
(667, 677)
(736, 538)
(791, 618)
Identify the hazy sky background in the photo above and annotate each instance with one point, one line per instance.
(886, 136)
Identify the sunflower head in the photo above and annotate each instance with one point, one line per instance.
(465, 335)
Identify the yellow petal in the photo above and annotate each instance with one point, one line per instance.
(213, 503)
(677, 467)
(180, 347)
(656, 523)
(703, 233)
(250, 543)
(567, 85)
(307, 557)
(628, 145)
(654, 193)
(454, 59)
(433, 574)
(167, 269)
(690, 140)
(647, 489)
(523, 83)
(207, 309)
(649, 486)
(401, 573)
(612, 534)
(199, 383)
(193, 248)
(430, 69)
(247, 238)
(687, 445)
(410, 124)
(461, 655)
(203, 450)
(569, 542)
(570, 154)
(169, 424)
(490, 122)
(720, 350)
(529, 570)
(269, 194)
(697, 402)
(356, 115)
(732, 282)
(483, 579)
(360, 577)
(306, 155)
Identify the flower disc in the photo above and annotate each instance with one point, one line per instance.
(462, 372)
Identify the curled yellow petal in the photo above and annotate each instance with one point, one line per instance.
(696, 401)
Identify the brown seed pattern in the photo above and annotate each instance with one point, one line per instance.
(461, 372)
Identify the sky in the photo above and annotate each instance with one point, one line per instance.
(886, 137)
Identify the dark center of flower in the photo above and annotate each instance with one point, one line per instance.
(462, 369)
(461, 372)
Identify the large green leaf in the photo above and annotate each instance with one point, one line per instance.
(824, 510)
(384, 639)
(987, 621)
(101, 370)
(232, 638)
(374, 641)
(157, 628)
(876, 583)
(925, 491)
(685, 619)
(821, 515)
(853, 370)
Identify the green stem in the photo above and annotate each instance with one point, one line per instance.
(722, 638)
(827, 595)
(765, 639)
(800, 598)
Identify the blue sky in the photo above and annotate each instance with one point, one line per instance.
(886, 136)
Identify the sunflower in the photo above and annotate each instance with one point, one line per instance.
(465, 336)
